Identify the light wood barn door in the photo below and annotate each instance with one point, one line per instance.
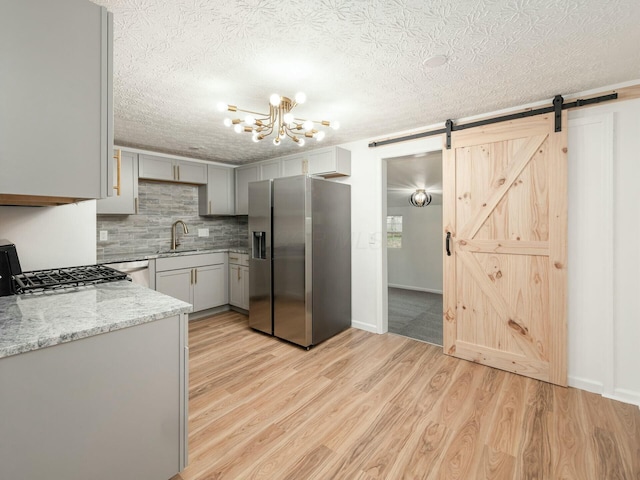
(505, 206)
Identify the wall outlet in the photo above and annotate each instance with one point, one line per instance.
(104, 235)
(203, 232)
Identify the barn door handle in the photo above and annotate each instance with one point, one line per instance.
(447, 243)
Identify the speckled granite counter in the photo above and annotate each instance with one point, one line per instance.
(33, 321)
(132, 257)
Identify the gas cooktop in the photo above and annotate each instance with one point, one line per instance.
(57, 278)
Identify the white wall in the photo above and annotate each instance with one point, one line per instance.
(418, 264)
(604, 254)
(49, 237)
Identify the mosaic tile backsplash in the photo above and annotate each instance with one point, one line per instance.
(159, 205)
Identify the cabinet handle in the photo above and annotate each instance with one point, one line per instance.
(118, 158)
(233, 258)
(238, 273)
(178, 169)
(447, 244)
(195, 275)
(191, 279)
(136, 204)
(209, 207)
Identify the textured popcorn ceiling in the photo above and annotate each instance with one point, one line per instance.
(358, 61)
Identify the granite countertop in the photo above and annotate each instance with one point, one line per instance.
(133, 257)
(32, 321)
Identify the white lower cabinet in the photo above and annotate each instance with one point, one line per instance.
(209, 287)
(239, 280)
(200, 280)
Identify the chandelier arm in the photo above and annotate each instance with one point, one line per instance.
(250, 111)
(320, 122)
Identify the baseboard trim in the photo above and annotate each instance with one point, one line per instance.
(367, 327)
(416, 289)
(585, 384)
(625, 396)
(620, 394)
(209, 312)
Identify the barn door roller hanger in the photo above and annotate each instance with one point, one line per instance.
(556, 108)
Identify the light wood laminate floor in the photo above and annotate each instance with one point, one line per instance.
(366, 406)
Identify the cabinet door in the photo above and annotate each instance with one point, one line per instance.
(321, 162)
(244, 273)
(210, 287)
(156, 168)
(217, 196)
(293, 166)
(126, 203)
(330, 162)
(244, 175)
(271, 170)
(235, 286)
(55, 120)
(191, 172)
(176, 283)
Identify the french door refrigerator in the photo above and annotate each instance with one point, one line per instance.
(300, 258)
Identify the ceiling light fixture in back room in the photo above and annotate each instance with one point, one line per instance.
(279, 120)
(420, 198)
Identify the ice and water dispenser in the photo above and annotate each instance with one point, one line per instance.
(259, 248)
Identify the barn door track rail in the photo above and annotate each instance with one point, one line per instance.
(557, 106)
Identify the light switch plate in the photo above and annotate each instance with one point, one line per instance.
(104, 235)
(203, 232)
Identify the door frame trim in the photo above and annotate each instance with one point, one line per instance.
(426, 145)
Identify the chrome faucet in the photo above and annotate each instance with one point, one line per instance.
(174, 238)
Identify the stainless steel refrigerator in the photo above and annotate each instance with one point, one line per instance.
(300, 258)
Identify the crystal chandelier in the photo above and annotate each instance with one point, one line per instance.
(279, 120)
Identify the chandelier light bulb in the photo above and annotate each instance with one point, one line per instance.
(222, 106)
(301, 142)
(288, 118)
(255, 138)
(274, 99)
(227, 122)
(276, 141)
(300, 97)
(238, 128)
(319, 136)
(307, 125)
(335, 125)
(249, 119)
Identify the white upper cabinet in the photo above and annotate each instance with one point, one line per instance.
(271, 169)
(325, 162)
(172, 170)
(217, 197)
(330, 162)
(245, 175)
(292, 165)
(125, 198)
(56, 121)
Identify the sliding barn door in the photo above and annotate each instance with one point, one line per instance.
(505, 211)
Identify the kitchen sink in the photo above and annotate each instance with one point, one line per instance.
(177, 251)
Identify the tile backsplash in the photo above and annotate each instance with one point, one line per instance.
(159, 205)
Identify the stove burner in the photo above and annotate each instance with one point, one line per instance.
(40, 280)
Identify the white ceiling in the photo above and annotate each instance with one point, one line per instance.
(407, 174)
(358, 61)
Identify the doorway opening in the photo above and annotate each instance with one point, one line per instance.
(414, 247)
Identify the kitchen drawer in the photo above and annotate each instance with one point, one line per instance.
(189, 261)
(239, 259)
